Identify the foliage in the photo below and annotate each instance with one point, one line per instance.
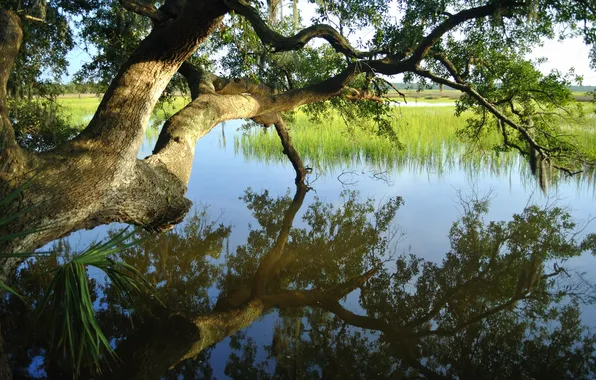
(68, 301)
(45, 44)
(112, 34)
(40, 123)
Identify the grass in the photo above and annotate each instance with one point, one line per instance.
(81, 109)
(431, 96)
(428, 135)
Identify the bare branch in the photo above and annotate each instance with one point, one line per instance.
(394, 89)
(289, 150)
(33, 19)
(449, 66)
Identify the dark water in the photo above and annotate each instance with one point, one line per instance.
(400, 275)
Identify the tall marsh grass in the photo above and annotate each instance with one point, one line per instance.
(427, 142)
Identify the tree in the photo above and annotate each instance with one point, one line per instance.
(96, 178)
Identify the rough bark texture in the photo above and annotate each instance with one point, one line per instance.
(12, 158)
(290, 152)
(96, 178)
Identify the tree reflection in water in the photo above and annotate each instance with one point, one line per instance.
(500, 303)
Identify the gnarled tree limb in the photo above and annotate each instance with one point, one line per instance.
(176, 143)
(281, 43)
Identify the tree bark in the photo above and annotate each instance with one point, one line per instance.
(12, 158)
(96, 178)
(289, 150)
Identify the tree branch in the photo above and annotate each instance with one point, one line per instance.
(455, 20)
(147, 10)
(449, 66)
(484, 102)
(119, 124)
(199, 81)
(176, 143)
(281, 43)
(290, 152)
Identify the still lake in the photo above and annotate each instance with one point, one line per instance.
(367, 275)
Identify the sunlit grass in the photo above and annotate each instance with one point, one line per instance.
(80, 110)
(427, 134)
(428, 143)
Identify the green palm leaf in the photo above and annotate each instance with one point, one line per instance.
(74, 328)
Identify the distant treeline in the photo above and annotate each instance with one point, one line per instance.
(83, 88)
(95, 88)
(414, 86)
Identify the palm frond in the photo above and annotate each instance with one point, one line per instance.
(74, 328)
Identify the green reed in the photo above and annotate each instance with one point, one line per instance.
(427, 141)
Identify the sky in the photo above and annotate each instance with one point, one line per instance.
(567, 54)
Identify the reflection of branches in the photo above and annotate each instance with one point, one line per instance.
(347, 177)
(449, 303)
(347, 182)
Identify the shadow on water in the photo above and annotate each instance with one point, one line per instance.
(326, 290)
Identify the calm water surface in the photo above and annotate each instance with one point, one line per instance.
(367, 275)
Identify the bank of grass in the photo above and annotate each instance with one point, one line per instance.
(79, 109)
(427, 134)
(428, 142)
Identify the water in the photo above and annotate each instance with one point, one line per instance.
(430, 306)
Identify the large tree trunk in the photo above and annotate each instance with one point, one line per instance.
(96, 178)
